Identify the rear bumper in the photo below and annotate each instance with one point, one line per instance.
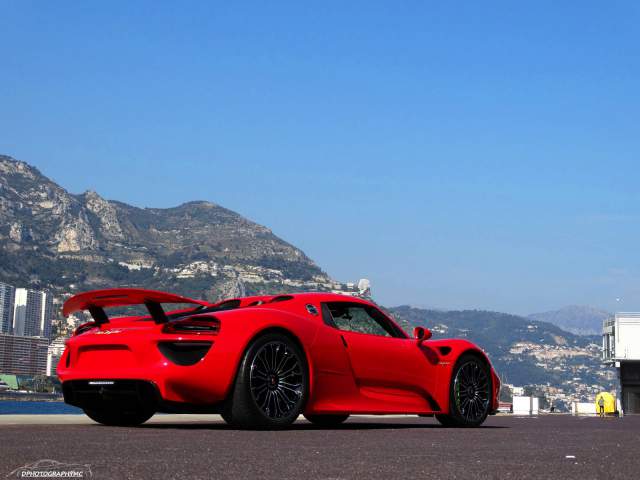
(126, 394)
(194, 384)
(205, 383)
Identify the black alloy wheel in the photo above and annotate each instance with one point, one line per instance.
(276, 379)
(271, 386)
(470, 393)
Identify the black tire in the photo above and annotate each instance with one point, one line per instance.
(120, 418)
(445, 420)
(469, 393)
(326, 420)
(260, 396)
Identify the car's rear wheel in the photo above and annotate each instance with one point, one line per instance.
(118, 417)
(470, 393)
(271, 386)
(326, 420)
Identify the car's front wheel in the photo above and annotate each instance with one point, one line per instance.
(271, 386)
(470, 393)
(118, 417)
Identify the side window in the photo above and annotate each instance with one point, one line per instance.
(356, 318)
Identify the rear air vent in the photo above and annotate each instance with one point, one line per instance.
(444, 350)
(228, 305)
(184, 353)
(281, 298)
(196, 325)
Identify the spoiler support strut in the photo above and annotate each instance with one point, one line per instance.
(98, 315)
(156, 311)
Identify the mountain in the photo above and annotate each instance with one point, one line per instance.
(576, 319)
(524, 351)
(53, 239)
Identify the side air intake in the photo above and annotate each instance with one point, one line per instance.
(184, 353)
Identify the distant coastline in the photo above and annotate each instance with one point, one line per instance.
(30, 397)
(36, 407)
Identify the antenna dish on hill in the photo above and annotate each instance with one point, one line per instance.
(364, 287)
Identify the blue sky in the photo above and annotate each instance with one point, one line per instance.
(467, 155)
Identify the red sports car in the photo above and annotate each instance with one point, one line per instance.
(262, 361)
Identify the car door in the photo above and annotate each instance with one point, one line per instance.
(386, 365)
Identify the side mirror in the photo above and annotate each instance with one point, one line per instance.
(421, 334)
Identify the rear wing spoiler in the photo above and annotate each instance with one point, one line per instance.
(95, 302)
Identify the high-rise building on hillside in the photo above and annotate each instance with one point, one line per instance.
(7, 294)
(32, 313)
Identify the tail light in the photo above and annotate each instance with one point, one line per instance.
(198, 325)
(85, 327)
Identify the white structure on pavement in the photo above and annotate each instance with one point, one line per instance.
(621, 347)
(525, 405)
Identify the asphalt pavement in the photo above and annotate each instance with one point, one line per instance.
(203, 447)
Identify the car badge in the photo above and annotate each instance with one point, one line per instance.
(108, 332)
(312, 309)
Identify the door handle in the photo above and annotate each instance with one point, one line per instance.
(344, 342)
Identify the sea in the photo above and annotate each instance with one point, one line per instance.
(13, 407)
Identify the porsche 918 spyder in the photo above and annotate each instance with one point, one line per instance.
(262, 361)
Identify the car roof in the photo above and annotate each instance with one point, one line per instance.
(300, 297)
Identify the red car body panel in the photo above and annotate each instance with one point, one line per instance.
(117, 297)
(349, 372)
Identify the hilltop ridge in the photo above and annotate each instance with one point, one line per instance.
(50, 238)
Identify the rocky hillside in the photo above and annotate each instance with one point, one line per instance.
(524, 351)
(50, 238)
(576, 319)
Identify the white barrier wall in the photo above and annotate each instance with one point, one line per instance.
(525, 405)
(583, 408)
